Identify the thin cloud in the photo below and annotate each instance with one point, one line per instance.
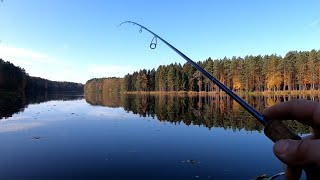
(40, 64)
(314, 23)
(65, 46)
(14, 54)
(59, 73)
(43, 65)
(110, 70)
(70, 73)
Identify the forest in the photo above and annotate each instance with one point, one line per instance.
(297, 70)
(108, 85)
(13, 78)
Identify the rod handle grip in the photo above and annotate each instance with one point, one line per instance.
(277, 130)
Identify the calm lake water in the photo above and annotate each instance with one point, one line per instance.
(106, 136)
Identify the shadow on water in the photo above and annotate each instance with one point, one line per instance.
(207, 111)
(11, 103)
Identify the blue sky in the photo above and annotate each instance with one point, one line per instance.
(75, 40)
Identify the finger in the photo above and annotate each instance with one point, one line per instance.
(298, 153)
(316, 132)
(292, 173)
(305, 111)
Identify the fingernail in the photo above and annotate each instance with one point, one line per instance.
(281, 147)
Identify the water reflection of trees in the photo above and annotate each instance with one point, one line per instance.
(11, 103)
(208, 111)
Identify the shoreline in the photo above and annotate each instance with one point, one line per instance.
(240, 93)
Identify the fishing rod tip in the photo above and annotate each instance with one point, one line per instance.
(132, 22)
(124, 22)
(121, 23)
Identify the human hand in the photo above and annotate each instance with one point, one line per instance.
(298, 154)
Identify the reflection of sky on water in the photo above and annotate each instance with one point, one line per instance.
(86, 142)
(17, 126)
(15, 118)
(36, 115)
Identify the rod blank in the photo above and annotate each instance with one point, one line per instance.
(233, 95)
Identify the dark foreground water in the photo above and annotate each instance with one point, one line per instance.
(132, 137)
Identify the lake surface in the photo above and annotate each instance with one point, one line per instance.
(106, 136)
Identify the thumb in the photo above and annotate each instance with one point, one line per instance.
(298, 152)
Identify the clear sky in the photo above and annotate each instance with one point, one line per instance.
(75, 40)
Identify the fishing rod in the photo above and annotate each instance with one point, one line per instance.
(274, 130)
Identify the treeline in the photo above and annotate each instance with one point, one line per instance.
(295, 71)
(111, 84)
(35, 84)
(14, 78)
(208, 111)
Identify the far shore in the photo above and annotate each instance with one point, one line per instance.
(241, 93)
